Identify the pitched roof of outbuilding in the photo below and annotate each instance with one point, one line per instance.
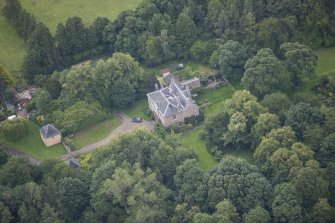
(49, 131)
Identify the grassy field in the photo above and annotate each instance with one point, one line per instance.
(215, 99)
(11, 45)
(52, 12)
(192, 140)
(33, 145)
(96, 132)
(138, 109)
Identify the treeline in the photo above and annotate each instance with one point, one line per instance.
(158, 31)
(145, 177)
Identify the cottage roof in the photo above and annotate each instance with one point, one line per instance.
(190, 81)
(49, 131)
(171, 100)
(165, 71)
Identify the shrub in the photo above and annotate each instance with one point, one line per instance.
(15, 129)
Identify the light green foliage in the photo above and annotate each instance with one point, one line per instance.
(43, 101)
(225, 213)
(78, 116)
(138, 193)
(6, 81)
(258, 214)
(202, 50)
(265, 123)
(265, 73)
(15, 129)
(11, 45)
(49, 215)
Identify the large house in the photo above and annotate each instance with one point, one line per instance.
(171, 105)
(50, 135)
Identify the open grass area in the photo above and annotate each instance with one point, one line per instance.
(33, 145)
(52, 12)
(215, 99)
(138, 109)
(192, 140)
(12, 47)
(96, 132)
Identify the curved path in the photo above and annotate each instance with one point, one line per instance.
(126, 126)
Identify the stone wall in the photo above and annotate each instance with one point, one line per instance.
(52, 141)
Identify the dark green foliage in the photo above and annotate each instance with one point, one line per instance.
(24, 22)
(6, 81)
(5, 215)
(239, 181)
(326, 154)
(277, 103)
(300, 61)
(41, 55)
(74, 196)
(15, 129)
(189, 181)
(285, 205)
(265, 73)
(185, 32)
(232, 57)
(15, 167)
(258, 214)
(301, 116)
(4, 156)
(53, 87)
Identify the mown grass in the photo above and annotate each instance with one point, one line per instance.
(33, 145)
(12, 47)
(192, 140)
(138, 109)
(52, 12)
(214, 99)
(96, 132)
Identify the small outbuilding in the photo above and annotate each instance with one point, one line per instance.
(74, 163)
(50, 135)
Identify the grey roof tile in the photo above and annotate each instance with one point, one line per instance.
(49, 131)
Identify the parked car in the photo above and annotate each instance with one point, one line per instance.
(136, 119)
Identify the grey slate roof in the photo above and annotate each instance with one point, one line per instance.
(171, 100)
(167, 79)
(49, 131)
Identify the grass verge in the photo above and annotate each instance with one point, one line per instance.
(33, 145)
(96, 132)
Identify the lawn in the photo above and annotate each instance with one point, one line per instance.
(138, 109)
(33, 145)
(215, 99)
(96, 132)
(192, 140)
(11, 45)
(52, 12)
